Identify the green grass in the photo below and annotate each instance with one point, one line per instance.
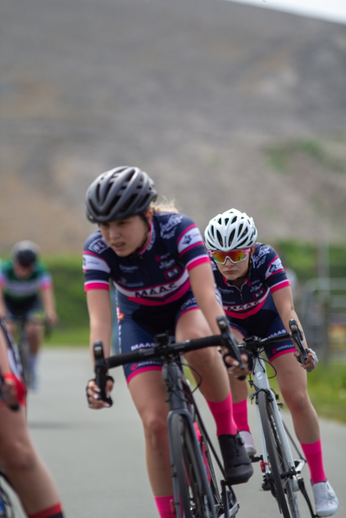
(68, 337)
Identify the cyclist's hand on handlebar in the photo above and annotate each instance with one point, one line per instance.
(93, 393)
(311, 360)
(234, 365)
(12, 391)
(52, 318)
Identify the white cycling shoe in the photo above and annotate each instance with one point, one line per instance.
(248, 443)
(325, 499)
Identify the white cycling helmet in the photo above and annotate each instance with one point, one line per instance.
(232, 230)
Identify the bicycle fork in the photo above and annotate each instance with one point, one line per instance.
(261, 383)
(178, 405)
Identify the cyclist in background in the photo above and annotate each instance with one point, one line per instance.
(257, 298)
(161, 270)
(26, 290)
(18, 457)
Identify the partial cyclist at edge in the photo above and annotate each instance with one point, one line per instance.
(158, 263)
(257, 298)
(19, 459)
(26, 291)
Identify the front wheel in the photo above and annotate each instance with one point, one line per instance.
(281, 485)
(194, 499)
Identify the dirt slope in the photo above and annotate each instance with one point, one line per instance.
(223, 104)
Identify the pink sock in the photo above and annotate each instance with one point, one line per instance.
(223, 415)
(240, 416)
(165, 506)
(313, 454)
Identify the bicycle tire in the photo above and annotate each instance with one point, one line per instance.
(195, 497)
(283, 487)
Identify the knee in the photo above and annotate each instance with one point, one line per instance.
(17, 456)
(203, 358)
(155, 429)
(297, 402)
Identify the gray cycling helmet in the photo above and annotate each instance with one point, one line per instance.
(118, 194)
(231, 230)
(25, 252)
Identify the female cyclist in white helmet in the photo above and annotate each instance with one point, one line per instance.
(257, 298)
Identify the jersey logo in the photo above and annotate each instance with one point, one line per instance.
(259, 294)
(156, 292)
(98, 246)
(90, 262)
(274, 267)
(165, 265)
(173, 221)
(192, 237)
(128, 269)
(120, 315)
(172, 272)
(140, 346)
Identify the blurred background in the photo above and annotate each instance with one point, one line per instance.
(223, 104)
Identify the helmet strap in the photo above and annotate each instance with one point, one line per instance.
(136, 252)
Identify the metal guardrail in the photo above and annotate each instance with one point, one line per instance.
(323, 315)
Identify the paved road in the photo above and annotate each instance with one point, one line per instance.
(97, 458)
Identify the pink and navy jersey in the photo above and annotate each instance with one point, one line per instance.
(155, 276)
(252, 307)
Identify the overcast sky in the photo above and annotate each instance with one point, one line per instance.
(331, 10)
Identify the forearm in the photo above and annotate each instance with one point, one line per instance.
(101, 330)
(4, 363)
(289, 315)
(2, 303)
(48, 300)
(284, 304)
(100, 317)
(203, 287)
(211, 309)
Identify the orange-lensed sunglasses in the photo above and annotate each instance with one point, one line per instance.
(235, 256)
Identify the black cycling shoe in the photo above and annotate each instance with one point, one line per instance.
(237, 463)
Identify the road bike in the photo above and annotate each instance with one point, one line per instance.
(6, 506)
(197, 493)
(23, 344)
(281, 471)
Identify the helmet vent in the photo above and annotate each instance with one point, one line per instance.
(231, 237)
(219, 237)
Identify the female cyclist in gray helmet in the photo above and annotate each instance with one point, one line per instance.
(257, 299)
(160, 268)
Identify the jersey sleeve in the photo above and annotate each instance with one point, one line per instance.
(190, 245)
(275, 275)
(4, 267)
(95, 267)
(44, 278)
